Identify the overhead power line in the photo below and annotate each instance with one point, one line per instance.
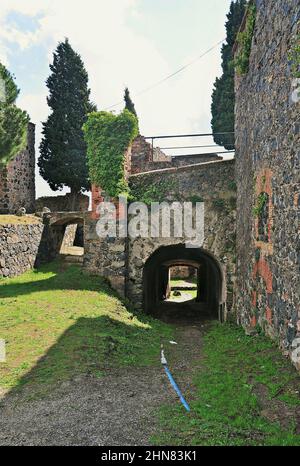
(182, 68)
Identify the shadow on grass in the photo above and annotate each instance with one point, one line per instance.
(89, 347)
(114, 338)
(62, 279)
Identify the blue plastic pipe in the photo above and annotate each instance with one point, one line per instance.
(175, 386)
(177, 389)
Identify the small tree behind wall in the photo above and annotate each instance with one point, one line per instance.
(129, 105)
(223, 97)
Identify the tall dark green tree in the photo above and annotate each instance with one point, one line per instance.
(63, 160)
(223, 97)
(13, 120)
(129, 105)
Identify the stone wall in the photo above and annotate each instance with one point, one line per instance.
(267, 172)
(19, 247)
(182, 272)
(62, 203)
(212, 183)
(105, 256)
(122, 260)
(17, 179)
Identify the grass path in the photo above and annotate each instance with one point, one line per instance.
(82, 369)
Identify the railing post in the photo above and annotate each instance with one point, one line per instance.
(152, 143)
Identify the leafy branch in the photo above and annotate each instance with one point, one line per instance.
(244, 40)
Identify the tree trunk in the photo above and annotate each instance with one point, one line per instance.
(73, 203)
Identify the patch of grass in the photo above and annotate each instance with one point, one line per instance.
(58, 324)
(185, 295)
(16, 220)
(183, 281)
(225, 410)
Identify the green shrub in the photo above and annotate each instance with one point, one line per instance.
(260, 204)
(294, 56)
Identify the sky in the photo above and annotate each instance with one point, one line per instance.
(132, 43)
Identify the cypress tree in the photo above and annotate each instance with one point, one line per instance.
(223, 98)
(63, 160)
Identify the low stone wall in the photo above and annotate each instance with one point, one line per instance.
(62, 203)
(182, 272)
(185, 160)
(105, 257)
(19, 248)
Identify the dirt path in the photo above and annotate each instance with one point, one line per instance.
(117, 409)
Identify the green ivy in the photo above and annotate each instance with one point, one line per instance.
(260, 204)
(147, 191)
(219, 204)
(232, 186)
(195, 198)
(244, 40)
(294, 56)
(108, 137)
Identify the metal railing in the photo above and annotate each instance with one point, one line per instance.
(218, 148)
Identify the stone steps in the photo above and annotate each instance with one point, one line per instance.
(69, 259)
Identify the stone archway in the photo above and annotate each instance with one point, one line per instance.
(211, 290)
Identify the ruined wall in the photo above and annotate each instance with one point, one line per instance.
(143, 160)
(17, 179)
(62, 203)
(267, 172)
(105, 256)
(19, 247)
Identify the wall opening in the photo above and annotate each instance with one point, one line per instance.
(182, 286)
(72, 242)
(208, 292)
(68, 239)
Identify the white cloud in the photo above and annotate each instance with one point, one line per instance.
(115, 56)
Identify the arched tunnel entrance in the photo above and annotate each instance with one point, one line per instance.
(210, 291)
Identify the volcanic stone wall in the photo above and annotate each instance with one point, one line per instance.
(19, 247)
(17, 179)
(267, 171)
(62, 203)
(122, 260)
